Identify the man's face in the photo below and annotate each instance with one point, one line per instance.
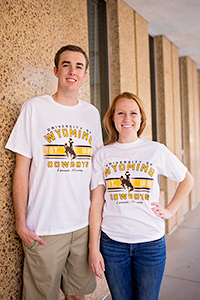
(71, 71)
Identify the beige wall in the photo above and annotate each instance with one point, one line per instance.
(129, 55)
(198, 101)
(190, 99)
(31, 33)
(169, 112)
(169, 92)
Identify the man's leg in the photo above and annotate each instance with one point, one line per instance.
(74, 297)
(78, 279)
(43, 267)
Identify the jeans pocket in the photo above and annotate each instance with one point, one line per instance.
(105, 238)
(159, 241)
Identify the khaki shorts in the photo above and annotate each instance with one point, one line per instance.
(63, 261)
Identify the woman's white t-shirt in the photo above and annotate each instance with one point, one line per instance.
(130, 173)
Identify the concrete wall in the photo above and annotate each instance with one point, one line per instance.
(31, 33)
(169, 112)
(129, 55)
(198, 116)
(178, 123)
(190, 102)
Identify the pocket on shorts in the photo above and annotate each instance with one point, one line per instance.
(32, 245)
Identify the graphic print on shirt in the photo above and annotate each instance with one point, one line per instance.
(69, 149)
(125, 182)
(74, 150)
(129, 181)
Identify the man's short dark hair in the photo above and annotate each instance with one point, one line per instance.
(70, 48)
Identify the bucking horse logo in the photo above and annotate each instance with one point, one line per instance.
(69, 149)
(125, 182)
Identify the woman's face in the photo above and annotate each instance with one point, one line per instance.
(127, 119)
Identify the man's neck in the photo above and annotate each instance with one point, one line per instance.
(65, 99)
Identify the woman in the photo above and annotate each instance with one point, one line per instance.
(125, 203)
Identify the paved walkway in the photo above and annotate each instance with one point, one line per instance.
(182, 273)
(181, 280)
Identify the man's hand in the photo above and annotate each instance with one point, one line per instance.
(28, 237)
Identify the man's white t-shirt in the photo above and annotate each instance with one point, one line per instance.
(130, 173)
(60, 140)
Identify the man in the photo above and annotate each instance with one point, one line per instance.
(51, 183)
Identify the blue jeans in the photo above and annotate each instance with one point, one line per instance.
(133, 271)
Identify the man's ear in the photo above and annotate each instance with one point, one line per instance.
(55, 70)
(85, 74)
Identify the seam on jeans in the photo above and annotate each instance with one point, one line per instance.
(135, 251)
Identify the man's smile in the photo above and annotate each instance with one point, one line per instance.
(71, 79)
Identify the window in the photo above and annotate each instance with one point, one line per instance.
(98, 55)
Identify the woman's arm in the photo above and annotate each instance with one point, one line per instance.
(181, 193)
(95, 258)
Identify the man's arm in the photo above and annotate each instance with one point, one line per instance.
(96, 210)
(20, 197)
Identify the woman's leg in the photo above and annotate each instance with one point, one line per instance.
(117, 268)
(148, 268)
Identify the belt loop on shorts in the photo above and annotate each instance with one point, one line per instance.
(72, 238)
